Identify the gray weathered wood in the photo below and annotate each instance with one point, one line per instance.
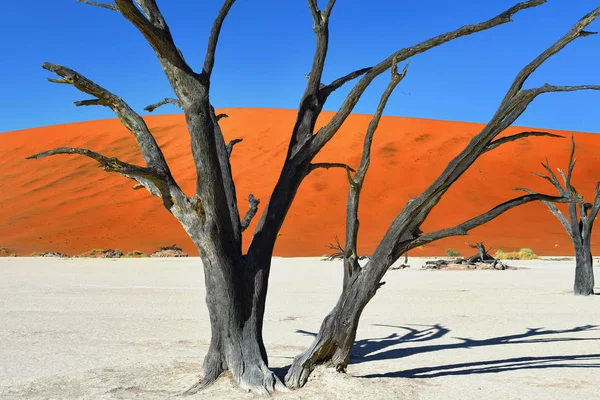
(333, 344)
(236, 283)
(578, 225)
(163, 102)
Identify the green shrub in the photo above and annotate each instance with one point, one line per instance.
(452, 253)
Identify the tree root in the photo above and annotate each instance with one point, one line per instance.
(257, 379)
(321, 352)
(261, 381)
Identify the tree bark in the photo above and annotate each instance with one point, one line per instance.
(333, 345)
(579, 224)
(334, 342)
(584, 267)
(236, 284)
(235, 299)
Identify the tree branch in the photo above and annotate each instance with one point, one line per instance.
(90, 102)
(314, 11)
(151, 153)
(102, 5)
(338, 83)
(163, 102)
(351, 258)
(314, 166)
(571, 165)
(406, 226)
(547, 88)
(62, 81)
(209, 60)
(154, 28)
(152, 13)
(254, 202)
(366, 155)
(148, 177)
(466, 226)
(595, 205)
(553, 209)
(575, 32)
(327, 11)
(220, 116)
(552, 178)
(326, 133)
(230, 145)
(518, 136)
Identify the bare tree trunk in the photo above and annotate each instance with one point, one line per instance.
(579, 224)
(333, 345)
(236, 284)
(584, 268)
(235, 299)
(334, 342)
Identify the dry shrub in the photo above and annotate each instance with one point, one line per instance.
(135, 254)
(101, 253)
(452, 253)
(523, 254)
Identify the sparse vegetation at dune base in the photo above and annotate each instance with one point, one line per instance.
(523, 254)
(452, 253)
(4, 252)
(100, 253)
(165, 251)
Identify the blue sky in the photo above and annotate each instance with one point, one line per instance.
(266, 49)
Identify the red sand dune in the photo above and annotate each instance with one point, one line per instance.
(68, 204)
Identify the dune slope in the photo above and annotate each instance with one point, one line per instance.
(69, 204)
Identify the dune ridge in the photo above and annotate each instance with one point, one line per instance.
(70, 205)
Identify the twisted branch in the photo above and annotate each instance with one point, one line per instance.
(518, 136)
(254, 202)
(163, 102)
(101, 5)
(148, 177)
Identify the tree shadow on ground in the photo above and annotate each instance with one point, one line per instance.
(381, 349)
(496, 366)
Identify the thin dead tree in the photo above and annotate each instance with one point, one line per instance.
(579, 224)
(236, 281)
(333, 344)
(482, 253)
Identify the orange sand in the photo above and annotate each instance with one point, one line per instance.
(69, 204)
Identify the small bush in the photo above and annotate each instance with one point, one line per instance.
(135, 254)
(49, 254)
(523, 254)
(528, 253)
(452, 253)
(101, 253)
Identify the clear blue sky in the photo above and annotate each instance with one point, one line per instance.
(266, 49)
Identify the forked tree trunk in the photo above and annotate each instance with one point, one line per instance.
(333, 345)
(235, 297)
(236, 284)
(579, 223)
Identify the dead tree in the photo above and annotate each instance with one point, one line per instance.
(482, 254)
(236, 282)
(339, 251)
(578, 225)
(333, 344)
